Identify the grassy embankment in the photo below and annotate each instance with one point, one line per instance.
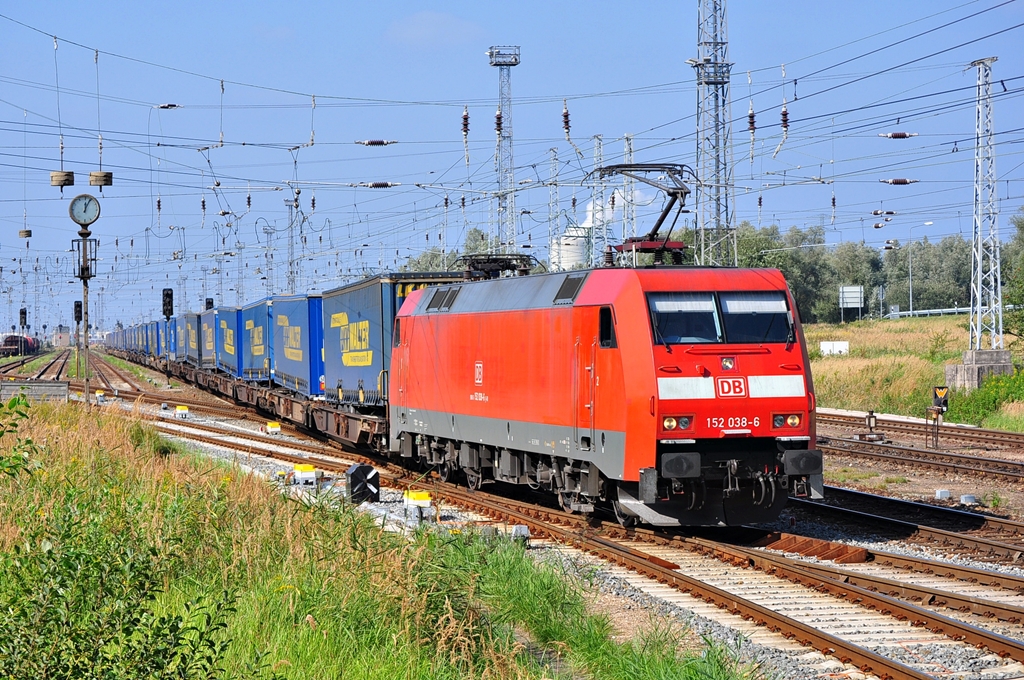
(121, 557)
(893, 364)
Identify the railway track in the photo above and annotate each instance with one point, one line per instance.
(973, 436)
(813, 604)
(55, 367)
(933, 459)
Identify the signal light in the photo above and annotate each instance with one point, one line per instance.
(793, 420)
(23, 316)
(168, 301)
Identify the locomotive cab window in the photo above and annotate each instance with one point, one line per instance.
(756, 316)
(684, 318)
(607, 328)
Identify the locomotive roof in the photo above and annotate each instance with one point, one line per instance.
(557, 289)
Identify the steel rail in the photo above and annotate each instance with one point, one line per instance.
(937, 460)
(958, 432)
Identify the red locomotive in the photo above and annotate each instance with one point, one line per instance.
(681, 396)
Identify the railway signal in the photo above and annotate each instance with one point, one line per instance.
(78, 311)
(168, 301)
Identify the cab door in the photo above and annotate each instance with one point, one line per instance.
(584, 381)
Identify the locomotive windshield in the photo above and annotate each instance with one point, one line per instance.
(735, 317)
(684, 318)
(760, 316)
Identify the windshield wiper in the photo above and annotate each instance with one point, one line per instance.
(791, 338)
(658, 337)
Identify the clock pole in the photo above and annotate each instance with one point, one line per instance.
(84, 210)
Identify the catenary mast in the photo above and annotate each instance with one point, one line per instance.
(716, 237)
(986, 288)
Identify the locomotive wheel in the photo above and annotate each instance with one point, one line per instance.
(626, 520)
(474, 478)
(565, 500)
(445, 471)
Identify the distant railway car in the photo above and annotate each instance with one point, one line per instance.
(299, 343)
(358, 320)
(681, 396)
(257, 350)
(15, 345)
(208, 335)
(229, 353)
(192, 338)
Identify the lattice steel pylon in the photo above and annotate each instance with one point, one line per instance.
(505, 58)
(716, 237)
(986, 287)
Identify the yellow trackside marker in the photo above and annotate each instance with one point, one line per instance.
(181, 411)
(273, 427)
(417, 498)
(304, 467)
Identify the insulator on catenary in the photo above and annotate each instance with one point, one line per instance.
(379, 185)
(376, 142)
(446, 201)
(785, 116)
(158, 205)
(497, 122)
(611, 203)
(897, 135)
(565, 118)
(899, 181)
(248, 201)
(751, 125)
(462, 201)
(760, 201)
(312, 202)
(202, 204)
(465, 121)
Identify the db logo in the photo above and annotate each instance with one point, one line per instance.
(478, 373)
(732, 387)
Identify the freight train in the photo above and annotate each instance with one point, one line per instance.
(14, 345)
(668, 395)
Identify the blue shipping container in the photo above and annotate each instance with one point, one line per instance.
(257, 341)
(180, 338)
(208, 337)
(192, 338)
(358, 323)
(299, 343)
(229, 354)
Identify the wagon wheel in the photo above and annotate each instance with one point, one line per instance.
(474, 478)
(565, 500)
(445, 471)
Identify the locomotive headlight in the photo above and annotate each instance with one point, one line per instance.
(669, 423)
(793, 421)
(684, 422)
(778, 421)
(728, 363)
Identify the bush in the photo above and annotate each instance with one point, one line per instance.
(973, 407)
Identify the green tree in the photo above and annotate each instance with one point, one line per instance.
(1012, 260)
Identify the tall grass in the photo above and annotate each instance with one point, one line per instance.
(222, 576)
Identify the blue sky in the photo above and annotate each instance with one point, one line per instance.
(403, 71)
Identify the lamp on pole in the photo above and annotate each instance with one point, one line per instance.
(84, 210)
(910, 263)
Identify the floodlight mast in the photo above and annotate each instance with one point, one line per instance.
(504, 58)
